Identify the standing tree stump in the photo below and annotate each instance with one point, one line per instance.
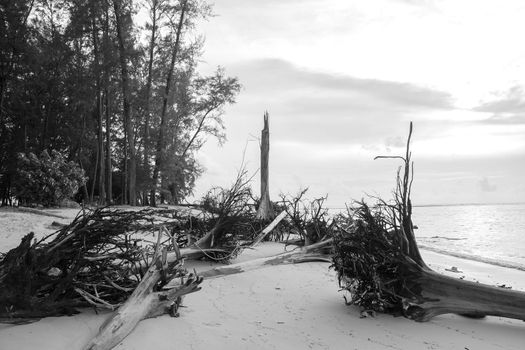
(265, 212)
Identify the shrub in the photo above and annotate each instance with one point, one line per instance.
(46, 180)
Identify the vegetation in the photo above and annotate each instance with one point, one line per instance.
(47, 179)
(113, 86)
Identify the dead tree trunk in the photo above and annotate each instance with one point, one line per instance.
(444, 295)
(203, 247)
(264, 212)
(379, 263)
(309, 253)
(269, 228)
(145, 302)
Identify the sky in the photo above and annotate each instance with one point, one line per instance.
(342, 79)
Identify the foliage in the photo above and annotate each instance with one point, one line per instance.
(46, 180)
(61, 88)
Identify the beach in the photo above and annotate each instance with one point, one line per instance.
(276, 307)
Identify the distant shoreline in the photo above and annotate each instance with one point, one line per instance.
(464, 204)
(490, 261)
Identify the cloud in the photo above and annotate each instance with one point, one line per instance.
(507, 110)
(397, 141)
(315, 107)
(486, 186)
(502, 119)
(426, 3)
(279, 74)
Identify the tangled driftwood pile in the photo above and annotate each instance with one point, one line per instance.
(97, 260)
(132, 261)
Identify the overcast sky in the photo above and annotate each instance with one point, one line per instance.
(342, 79)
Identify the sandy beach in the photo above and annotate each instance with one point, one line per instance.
(276, 307)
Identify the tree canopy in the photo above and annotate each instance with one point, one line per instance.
(113, 86)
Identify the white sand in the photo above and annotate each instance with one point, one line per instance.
(283, 307)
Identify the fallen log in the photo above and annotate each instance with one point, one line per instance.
(442, 294)
(304, 254)
(378, 261)
(269, 228)
(145, 302)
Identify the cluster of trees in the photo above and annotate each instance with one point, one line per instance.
(112, 85)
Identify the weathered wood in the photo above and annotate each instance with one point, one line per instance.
(193, 253)
(265, 212)
(442, 294)
(205, 241)
(143, 303)
(300, 255)
(269, 228)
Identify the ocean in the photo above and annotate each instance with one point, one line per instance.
(492, 233)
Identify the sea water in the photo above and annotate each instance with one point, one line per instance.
(489, 233)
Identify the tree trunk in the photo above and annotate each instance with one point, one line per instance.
(309, 253)
(123, 56)
(149, 79)
(79, 156)
(144, 303)
(269, 228)
(265, 212)
(100, 134)
(132, 168)
(109, 170)
(124, 178)
(160, 141)
(3, 83)
(94, 178)
(443, 295)
(101, 171)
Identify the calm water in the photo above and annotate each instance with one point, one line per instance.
(490, 233)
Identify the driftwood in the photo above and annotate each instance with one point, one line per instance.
(269, 228)
(312, 252)
(230, 207)
(378, 261)
(147, 300)
(96, 260)
(146, 303)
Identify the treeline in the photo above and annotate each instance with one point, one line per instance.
(112, 85)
